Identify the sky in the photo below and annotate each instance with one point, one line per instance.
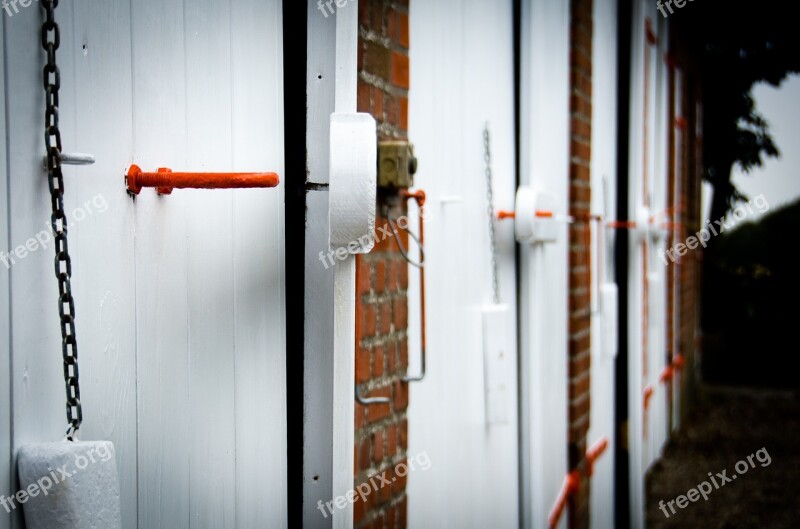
(779, 178)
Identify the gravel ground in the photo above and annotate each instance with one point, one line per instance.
(725, 427)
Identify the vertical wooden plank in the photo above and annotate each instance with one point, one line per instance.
(35, 368)
(210, 266)
(258, 257)
(103, 240)
(37, 374)
(159, 139)
(6, 401)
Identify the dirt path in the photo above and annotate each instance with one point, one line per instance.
(725, 427)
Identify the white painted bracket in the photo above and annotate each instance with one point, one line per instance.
(496, 362)
(529, 226)
(609, 302)
(353, 182)
(642, 231)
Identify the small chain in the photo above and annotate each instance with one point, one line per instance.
(58, 220)
(487, 158)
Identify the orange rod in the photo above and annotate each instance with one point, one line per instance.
(419, 197)
(594, 453)
(165, 180)
(503, 214)
(569, 488)
(648, 393)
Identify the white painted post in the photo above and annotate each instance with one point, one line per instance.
(330, 325)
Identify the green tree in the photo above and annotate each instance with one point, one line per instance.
(739, 44)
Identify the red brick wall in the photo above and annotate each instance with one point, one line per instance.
(382, 278)
(579, 250)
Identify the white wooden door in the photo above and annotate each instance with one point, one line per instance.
(604, 290)
(462, 77)
(179, 298)
(647, 403)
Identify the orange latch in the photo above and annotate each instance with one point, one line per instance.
(165, 180)
(570, 487)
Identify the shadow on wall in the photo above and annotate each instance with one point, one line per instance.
(751, 289)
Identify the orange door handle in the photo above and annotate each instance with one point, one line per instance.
(165, 180)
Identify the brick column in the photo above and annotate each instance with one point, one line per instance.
(579, 251)
(382, 279)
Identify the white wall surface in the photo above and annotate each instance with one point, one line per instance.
(179, 299)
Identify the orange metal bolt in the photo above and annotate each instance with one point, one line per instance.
(165, 180)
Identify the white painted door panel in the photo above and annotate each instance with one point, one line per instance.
(646, 280)
(462, 77)
(179, 298)
(543, 268)
(604, 290)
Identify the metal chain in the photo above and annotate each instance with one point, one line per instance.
(58, 220)
(487, 158)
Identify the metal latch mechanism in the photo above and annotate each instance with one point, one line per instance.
(396, 164)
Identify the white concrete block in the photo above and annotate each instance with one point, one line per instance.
(69, 485)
